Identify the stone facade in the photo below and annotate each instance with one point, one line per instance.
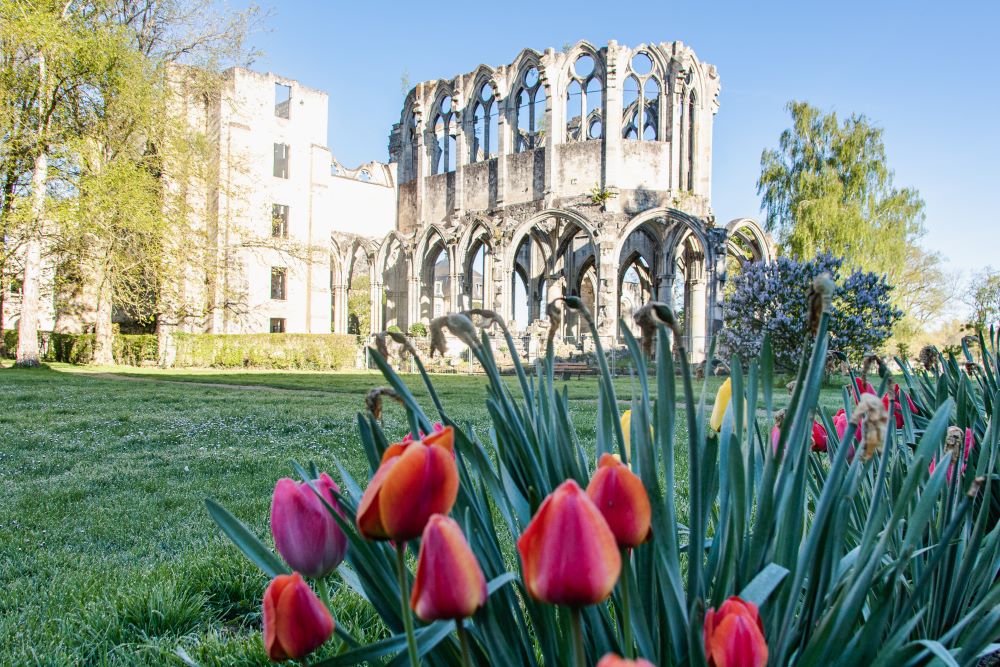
(560, 174)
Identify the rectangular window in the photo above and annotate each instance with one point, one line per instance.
(278, 283)
(277, 325)
(282, 100)
(281, 160)
(279, 221)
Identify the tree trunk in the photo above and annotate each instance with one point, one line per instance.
(27, 324)
(103, 328)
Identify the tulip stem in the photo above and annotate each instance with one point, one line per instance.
(581, 654)
(626, 611)
(463, 640)
(324, 592)
(404, 595)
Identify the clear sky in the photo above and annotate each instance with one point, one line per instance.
(927, 72)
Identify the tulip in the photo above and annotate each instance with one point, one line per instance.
(734, 635)
(408, 438)
(898, 407)
(722, 399)
(622, 499)
(951, 445)
(413, 481)
(305, 533)
(296, 623)
(449, 583)
(775, 437)
(612, 660)
(568, 552)
(840, 423)
(626, 422)
(819, 437)
(863, 387)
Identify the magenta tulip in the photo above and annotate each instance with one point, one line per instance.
(305, 533)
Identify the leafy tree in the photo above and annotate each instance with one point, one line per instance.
(827, 188)
(984, 299)
(359, 314)
(773, 299)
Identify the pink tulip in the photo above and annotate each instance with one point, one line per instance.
(449, 583)
(819, 437)
(568, 552)
(612, 660)
(734, 635)
(621, 497)
(970, 442)
(840, 423)
(305, 533)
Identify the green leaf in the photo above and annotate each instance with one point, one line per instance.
(761, 586)
(246, 541)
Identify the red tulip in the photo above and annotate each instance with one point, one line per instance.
(568, 552)
(734, 635)
(775, 437)
(612, 660)
(449, 583)
(819, 437)
(621, 497)
(296, 623)
(414, 481)
(840, 423)
(305, 533)
(862, 386)
(970, 442)
(408, 438)
(897, 407)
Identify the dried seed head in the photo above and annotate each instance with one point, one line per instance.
(651, 314)
(872, 359)
(554, 313)
(779, 417)
(977, 484)
(820, 299)
(876, 420)
(953, 442)
(380, 345)
(404, 341)
(928, 357)
(462, 327)
(971, 367)
(791, 386)
(373, 401)
(438, 341)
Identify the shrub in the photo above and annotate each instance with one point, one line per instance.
(127, 349)
(861, 559)
(418, 329)
(309, 351)
(772, 299)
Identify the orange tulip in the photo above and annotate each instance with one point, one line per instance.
(621, 497)
(415, 480)
(296, 623)
(568, 552)
(734, 635)
(612, 660)
(449, 583)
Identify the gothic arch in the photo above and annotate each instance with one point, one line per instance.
(761, 244)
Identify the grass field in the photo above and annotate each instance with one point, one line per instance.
(107, 555)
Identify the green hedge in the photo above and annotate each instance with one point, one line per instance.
(311, 351)
(127, 349)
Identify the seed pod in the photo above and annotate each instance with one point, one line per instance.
(876, 420)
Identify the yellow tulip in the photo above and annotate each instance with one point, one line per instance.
(722, 400)
(627, 432)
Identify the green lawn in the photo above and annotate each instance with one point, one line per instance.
(107, 555)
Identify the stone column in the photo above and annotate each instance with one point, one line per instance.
(695, 315)
(456, 280)
(504, 144)
(377, 313)
(611, 141)
(608, 306)
(420, 159)
(463, 122)
(677, 76)
(554, 100)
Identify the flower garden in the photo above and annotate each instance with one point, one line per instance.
(865, 535)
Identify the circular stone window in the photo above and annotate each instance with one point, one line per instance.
(642, 64)
(531, 77)
(584, 66)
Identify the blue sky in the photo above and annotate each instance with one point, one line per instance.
(927, 72)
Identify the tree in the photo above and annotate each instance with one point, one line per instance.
(827, 188)
(984, 299)
(773, 299)
(923, 290)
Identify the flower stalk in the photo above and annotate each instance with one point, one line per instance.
(404, 596)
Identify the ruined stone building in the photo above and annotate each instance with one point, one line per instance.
(585, 171)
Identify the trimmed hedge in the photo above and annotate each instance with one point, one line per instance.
(308, 351)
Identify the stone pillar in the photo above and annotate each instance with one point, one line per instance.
(420, 160)
(677, 81)
(377, 312)
(611, 141)
(555, 124)
(342, 307)
(695, 316)
(504, 143)
(456, 280)
(462, 123)
(608, 306)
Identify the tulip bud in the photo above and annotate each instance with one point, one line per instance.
(413, 481)
(612, 660)
(734, 635)
(568, 553)
(622, 499)
(722, 399)
(819, 437)
(449, 583)
(296, 623)
(305, 533)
